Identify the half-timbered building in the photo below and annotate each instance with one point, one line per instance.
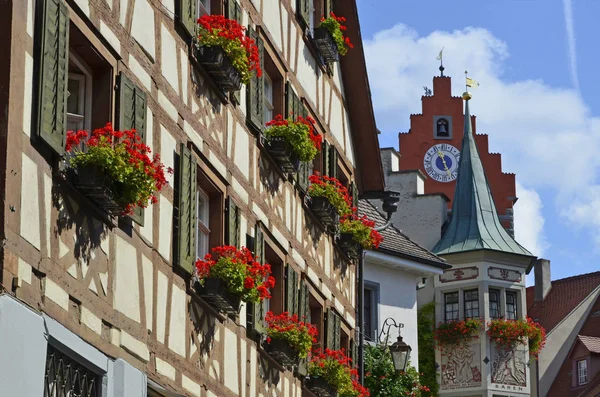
(95, 303)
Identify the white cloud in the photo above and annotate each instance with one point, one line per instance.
(546, 134)
(529, 221)
(570, 26)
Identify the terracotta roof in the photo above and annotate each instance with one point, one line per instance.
(592, 389)
(397, 243)
(564, 296)
(590, 342)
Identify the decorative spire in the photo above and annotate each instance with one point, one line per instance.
(440, 58)
(474, 224)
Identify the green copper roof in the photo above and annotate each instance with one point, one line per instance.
(474, 224)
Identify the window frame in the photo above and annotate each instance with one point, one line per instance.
(274, 69)
(374, 290)
(202, 229)
(446, 303)
(514, 294)
(579, 372)
(268, 106)
(465, 301)
(497, 292)
(273, 254)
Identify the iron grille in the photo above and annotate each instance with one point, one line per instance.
(67, 378)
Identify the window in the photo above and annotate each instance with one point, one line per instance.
(79, 94)
(316, 319)
(267, 98)
(494, 297)
(207, 7)
(90, 84)
(471, 304)
(67, 377)
(203, 232)
(370, 311)
(277, 302)
(203, 7)
(316, 13)
(582, 378)
(451, 306)
(511, 305)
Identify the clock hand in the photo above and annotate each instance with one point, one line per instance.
(441, 155)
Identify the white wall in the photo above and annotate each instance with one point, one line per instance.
(397, 299)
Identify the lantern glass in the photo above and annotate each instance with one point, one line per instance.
(400, 354)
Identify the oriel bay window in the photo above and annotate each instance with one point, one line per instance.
(494, 299)
(451, 307)
(511, 305)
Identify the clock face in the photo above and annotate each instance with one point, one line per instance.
(441, 162)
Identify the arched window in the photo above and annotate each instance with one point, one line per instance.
(442, 128)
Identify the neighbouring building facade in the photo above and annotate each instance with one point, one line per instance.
(432, 146)
(392, 273)
(569, 309)
(109, 301)
(486, 282)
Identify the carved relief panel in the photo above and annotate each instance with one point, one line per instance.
(461, 366)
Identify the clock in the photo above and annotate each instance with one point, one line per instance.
(441, 162)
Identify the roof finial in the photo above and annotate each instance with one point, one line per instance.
(439, 58)
(469, 82)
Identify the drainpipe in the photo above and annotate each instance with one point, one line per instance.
(390, 205)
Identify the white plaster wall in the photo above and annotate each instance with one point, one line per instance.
(166, 225)
(272, 18)
(349, 141)
(308, 72)
(168, 58)
(30, 206)
(335, 121)
(168, 147)
(27, 94)
(242, 150)
(177, 335)
(231, 356)
(397, 299)
(143, 18)
(161, 306)
(126, 294)
(148, 274)
(123, 11)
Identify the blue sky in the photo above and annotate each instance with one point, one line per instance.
(537, 64)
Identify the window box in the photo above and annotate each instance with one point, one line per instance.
(219, 67)
(94, 184)
(348, 246)
(324, 210)
(281, 151)
(326, 45)
(214, 291)
(319, 387)
(281, 351)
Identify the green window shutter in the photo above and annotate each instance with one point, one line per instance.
(258, 311)
(254, 90)
(303, 302)
(304, 172)
(186, 226)
(291, 287)
(187, 17)
(354, 352)
(333, 160)
(132, 115)
(233, 223)
(52, 80)
(333, 330)
(325, 151)
(289, 100)
(303, 11)
(235, 12)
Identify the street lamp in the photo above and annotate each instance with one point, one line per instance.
(400, 350)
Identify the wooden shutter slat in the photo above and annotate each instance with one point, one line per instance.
(289, 100)
(187, 17)
(330, 330)
(52, 81)
(354, 193)
(233, 223)
(255, 89)
(186, 225)
(338, 331)
(328, 7)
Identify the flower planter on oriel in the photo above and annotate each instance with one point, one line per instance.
(348, 246)
(326, 45)
(215, 292)
(219, 67)
(319, 387)
(324, 210)
(93, 183)
(281, 151)
(281, 351)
